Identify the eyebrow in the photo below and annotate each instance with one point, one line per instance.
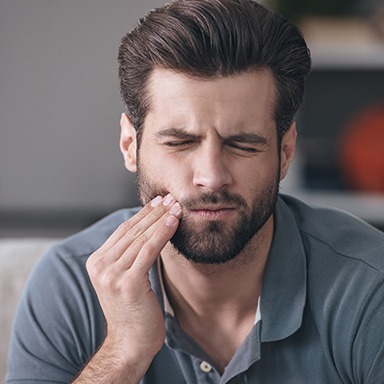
(175, 133)
(247, 138)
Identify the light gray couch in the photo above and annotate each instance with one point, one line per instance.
(17, 257)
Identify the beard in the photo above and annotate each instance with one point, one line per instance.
(215, 242)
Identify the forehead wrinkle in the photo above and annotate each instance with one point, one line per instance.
(197, 126)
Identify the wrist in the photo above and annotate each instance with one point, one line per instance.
(113, 363)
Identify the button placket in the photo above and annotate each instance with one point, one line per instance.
(205, 367)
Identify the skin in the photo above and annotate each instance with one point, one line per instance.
(200, 137)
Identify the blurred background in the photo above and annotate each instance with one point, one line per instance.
(60, 165)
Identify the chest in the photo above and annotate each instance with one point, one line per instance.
(220, 342)
(301, 358)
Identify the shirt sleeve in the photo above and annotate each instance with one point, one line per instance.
(59, 323)
(368, 347)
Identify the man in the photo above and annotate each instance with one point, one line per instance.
(217, 279)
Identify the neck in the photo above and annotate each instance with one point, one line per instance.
(203, 290)
(216, 304)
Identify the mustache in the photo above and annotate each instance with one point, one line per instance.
(147, 192)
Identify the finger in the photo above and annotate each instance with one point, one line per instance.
(159, 208)
(107, 256)
(132, 229)
(140, 243)
(124, 227)
(155, 244)
(135, 229)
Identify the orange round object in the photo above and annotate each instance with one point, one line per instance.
(362, 150)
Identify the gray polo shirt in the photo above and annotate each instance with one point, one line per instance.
(322, 310)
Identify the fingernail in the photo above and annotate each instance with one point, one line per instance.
(156, 201)
(168, 200)
(175, 209)
(171, 221)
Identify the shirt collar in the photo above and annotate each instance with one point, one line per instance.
(283, 293)
(167, 305)
(284, 287)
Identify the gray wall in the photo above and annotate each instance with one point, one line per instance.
(60, 164)
(60, 105)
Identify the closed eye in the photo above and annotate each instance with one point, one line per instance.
(243, 148)
(179, 143)
(175, 138)
(247, 143)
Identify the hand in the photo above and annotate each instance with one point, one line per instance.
(119, 272)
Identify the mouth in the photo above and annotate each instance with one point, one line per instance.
(212, 212)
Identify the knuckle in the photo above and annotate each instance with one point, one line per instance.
(143, 239)
(140, 241)
(109, 280)
(97, 265)
(93, 265)
(148, 248)
(126, 226)
(133, 231)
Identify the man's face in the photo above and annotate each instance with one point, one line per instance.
(213, 145)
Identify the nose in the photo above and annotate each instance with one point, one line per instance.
(211, 170)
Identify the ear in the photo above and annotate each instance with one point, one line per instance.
(128, 144)
(288, 147)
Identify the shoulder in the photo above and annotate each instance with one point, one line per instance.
(61, 307)
(91, 238)
(345, 285)
(63, 264)
(329, 231)
(61, 271)
(78, 247)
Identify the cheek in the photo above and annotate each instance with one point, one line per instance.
(169, 173)
(257, 177)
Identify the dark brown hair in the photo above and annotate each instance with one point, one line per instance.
(208, 38)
